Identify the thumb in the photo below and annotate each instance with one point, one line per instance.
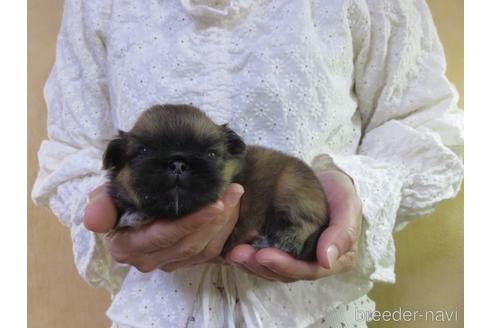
(232, 194)
(100, 214)
(340, 236)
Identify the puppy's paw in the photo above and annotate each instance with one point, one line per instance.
(261, 241)
(133, 220)
(285, 242)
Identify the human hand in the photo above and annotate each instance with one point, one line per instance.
(337, 245)
(167, 244)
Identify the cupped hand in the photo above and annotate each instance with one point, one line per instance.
(164, 243)
(337, 245)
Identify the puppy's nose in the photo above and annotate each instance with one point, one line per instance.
(178, 167)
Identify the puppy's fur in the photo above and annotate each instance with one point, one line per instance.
(176, 160)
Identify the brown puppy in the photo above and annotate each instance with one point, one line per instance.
(176, 160)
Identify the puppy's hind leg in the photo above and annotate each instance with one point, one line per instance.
(298, 214)
(293, 235)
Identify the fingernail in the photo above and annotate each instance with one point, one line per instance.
(332, 254)
(92, 197)
(232, 198)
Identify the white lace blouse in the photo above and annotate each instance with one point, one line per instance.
(360, 83)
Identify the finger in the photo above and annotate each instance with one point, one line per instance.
(216, 244)
(213, 237)
(100, 214)
(289, 267)
(244, 255)
(339, 238)
(241, 255)
(170, 259)
(346, 262)
(183, 255)
(192, 249)
(169, 246)
(164, 233)
(216, 240)
(222, 225)
(194, 224)
(243, 267)
(339, 190)
(232, 194)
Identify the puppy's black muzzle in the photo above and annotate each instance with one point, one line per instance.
(178, 167)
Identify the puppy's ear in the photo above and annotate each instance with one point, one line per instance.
(235, 145)
(115, 154)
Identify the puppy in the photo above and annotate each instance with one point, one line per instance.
(176, 160)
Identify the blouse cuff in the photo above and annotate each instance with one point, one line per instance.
(94, 261)
(91, 253)
(430, 171)
(379, 188)
(413, 172)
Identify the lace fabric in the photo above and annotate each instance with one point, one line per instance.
(358, 84)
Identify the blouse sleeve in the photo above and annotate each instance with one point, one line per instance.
(79, 127)
(409, 155)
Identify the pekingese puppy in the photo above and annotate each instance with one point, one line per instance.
(176, 160)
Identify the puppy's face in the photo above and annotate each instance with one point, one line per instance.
(173, 161)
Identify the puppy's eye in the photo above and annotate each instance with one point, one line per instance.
(212, 153)
(143, 150)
